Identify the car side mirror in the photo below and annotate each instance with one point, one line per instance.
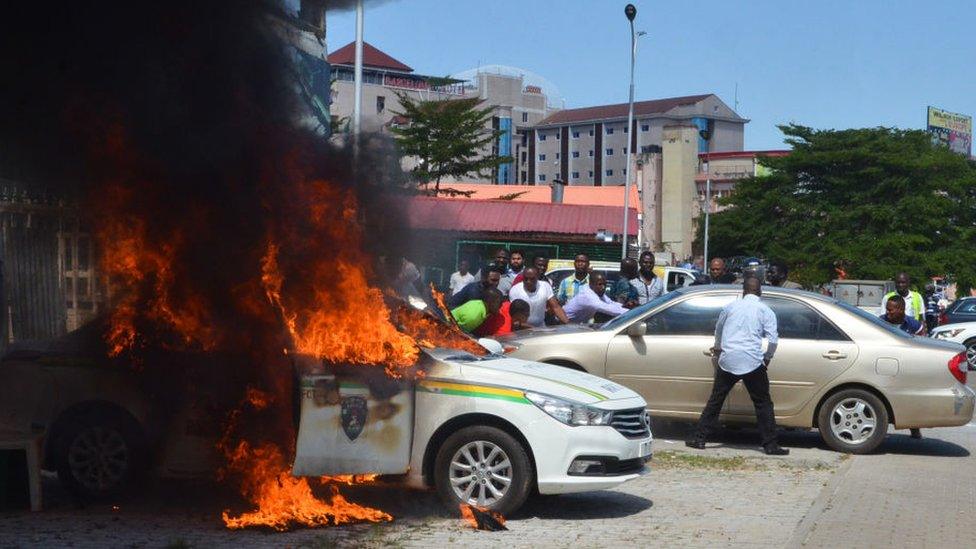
(637, 329)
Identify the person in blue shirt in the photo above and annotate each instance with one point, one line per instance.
(739, 334)
(895, 314)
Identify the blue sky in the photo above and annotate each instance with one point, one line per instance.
(826, 64)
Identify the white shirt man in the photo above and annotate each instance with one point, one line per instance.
(537, 300)
(538, 294)
(739, 334)
(459, 281)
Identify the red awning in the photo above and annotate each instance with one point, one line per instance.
(507, 216)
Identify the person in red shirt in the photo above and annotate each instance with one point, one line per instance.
(511, 316)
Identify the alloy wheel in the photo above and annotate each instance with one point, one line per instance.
(853, 420)
(99, 458)
(480, 473)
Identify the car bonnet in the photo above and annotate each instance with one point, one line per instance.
(547, 379)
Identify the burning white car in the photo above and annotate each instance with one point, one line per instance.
(482, 430)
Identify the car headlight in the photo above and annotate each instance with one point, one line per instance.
(568, 412)
(949, 334)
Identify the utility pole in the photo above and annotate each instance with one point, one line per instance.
(357, 108)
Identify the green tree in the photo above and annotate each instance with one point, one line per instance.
(450, 137)
(874, 201)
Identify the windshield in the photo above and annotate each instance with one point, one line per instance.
(637, 312)
(873, 318)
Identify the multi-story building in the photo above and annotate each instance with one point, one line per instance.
(516, 105)
(383, 78)
(592, 145)
(519, 100)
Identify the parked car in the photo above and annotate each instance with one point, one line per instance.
(960, 310)
(484, 430)
(834, 362)
(961, 332)
(674, 277)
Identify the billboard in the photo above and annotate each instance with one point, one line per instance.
(952, 130)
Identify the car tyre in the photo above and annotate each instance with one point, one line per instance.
(971, 353)
(99, 454)
(853, 421)
(487, 463)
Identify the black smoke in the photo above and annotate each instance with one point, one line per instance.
(190, 106)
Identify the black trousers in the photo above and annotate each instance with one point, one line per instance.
(757, 383)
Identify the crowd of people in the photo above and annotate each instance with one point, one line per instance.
(508, 293)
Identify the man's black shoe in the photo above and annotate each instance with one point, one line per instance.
(695, 443)
(775, 450)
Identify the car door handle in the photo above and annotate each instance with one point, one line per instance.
(834, 355)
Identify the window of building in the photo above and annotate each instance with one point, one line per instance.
(542, 158)
(625, 150)
(524, 156)
(591, 173)
(609, 131)
(525, 117)
(626, 129)
(524, 176)
(559, 134)
(575, 175)
(542, 137)
(575, 154)
(542, 177)
(380, 104)
(591, 133)
(609, 173)
(575, 135)
(609, 152)
(557, 156)
(591, 153)
(645, 127)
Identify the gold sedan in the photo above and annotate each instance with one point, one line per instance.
(837, 368)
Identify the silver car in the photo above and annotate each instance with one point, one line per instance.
(837, 368)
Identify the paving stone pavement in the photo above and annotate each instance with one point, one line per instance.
(913, 493)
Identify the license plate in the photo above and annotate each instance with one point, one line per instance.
(645, 449)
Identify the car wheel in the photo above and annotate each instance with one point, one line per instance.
(483, 466)
(854, 421)
(98, 454)
(971, 353)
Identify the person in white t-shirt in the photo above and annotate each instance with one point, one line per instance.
(538, 294)
(461, 278)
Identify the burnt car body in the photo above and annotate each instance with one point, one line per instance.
(105, 421)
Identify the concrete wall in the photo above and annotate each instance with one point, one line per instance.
(678, 190)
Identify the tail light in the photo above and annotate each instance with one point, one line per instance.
(958, 367)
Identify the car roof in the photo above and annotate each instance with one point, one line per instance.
(704, 288)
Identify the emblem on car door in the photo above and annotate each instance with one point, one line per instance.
(353, 416)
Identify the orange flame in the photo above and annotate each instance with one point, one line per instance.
(284, 501)
(482, 518)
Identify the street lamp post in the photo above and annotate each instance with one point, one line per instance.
(631, 12)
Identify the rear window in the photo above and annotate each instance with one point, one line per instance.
(874, 319)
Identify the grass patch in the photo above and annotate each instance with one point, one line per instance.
(670, 458)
